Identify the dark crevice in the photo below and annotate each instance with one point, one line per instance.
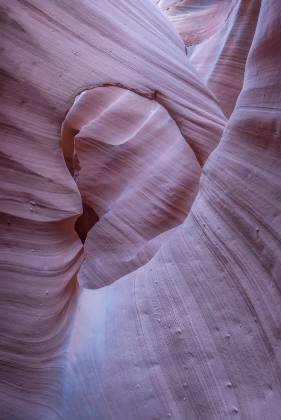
(85, 222)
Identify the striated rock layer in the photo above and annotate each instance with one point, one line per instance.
(184, 208)
(196, 20)
(220, 60)
(137, 173)
(218, 36)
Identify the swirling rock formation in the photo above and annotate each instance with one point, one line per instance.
(185, 218)
(137, 173)
(225, 53)
(219, 36)
(196, 20)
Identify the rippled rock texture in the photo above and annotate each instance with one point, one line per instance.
(151, 132)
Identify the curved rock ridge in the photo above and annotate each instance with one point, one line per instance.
(218, 36)
(196, 20)
(192, 331)
(137, 173)
(220, 60)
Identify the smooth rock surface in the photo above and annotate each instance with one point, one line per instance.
(192, 330)
(137, 173)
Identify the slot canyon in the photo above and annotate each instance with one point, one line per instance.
(140, 212)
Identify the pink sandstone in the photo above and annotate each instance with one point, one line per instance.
(164, 126)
